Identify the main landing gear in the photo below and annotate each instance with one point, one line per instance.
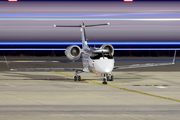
(107, 77)
(77, 77)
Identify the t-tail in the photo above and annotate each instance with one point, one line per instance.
(83, 32)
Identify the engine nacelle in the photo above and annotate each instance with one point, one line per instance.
(108, 47)
(73, 52)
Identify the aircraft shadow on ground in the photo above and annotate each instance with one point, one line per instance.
(26, 76)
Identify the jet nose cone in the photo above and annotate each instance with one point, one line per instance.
(104, 66)
(107, 70)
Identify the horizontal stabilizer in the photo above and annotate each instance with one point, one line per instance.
(96, 25)
(67, 25)
(81, 25)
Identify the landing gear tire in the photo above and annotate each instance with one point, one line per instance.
(75, 78)
(111, 78)
(79, 78)
(104, 81)
(108, 78)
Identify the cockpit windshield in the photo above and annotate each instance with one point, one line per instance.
(98, 55)
(108, 55)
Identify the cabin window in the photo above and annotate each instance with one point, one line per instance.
(100, 55)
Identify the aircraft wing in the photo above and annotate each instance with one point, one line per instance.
(47, 69)
(146, 65)
(43, 69)
(141, 65)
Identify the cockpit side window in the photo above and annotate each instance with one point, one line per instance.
(99, 55)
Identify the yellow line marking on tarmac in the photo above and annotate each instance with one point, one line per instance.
(157, 96)
(131, 116)
(62, 74)
(135, 117)
(150, 115)
(122, 84)
(124, 114)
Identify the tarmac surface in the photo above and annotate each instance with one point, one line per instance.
(138, 94)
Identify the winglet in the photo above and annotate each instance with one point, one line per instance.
(6, 62)
(174, 59)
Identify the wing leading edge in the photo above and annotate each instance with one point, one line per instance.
(47, 69)
(146, 65)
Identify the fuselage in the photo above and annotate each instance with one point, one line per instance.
(99, 61)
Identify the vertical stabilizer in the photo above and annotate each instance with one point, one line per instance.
(83, 36)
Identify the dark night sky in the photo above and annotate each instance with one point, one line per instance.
(149, 29)
(93, 0)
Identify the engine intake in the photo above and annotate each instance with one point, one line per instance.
(108, 47)
(73, 52)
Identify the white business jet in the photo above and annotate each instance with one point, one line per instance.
(96, 60)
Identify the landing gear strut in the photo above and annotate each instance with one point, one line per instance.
(107, 77)
(110, 77)
(77, 77)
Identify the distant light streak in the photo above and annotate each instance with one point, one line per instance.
(29, 49)
(80, 19)
(128, 0)
(89, 43)
(12, 0)
(147, 49)
(57, 49)
(139, 15)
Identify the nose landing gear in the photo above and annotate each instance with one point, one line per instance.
(107, 77)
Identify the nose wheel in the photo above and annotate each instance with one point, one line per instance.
(105, 79)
